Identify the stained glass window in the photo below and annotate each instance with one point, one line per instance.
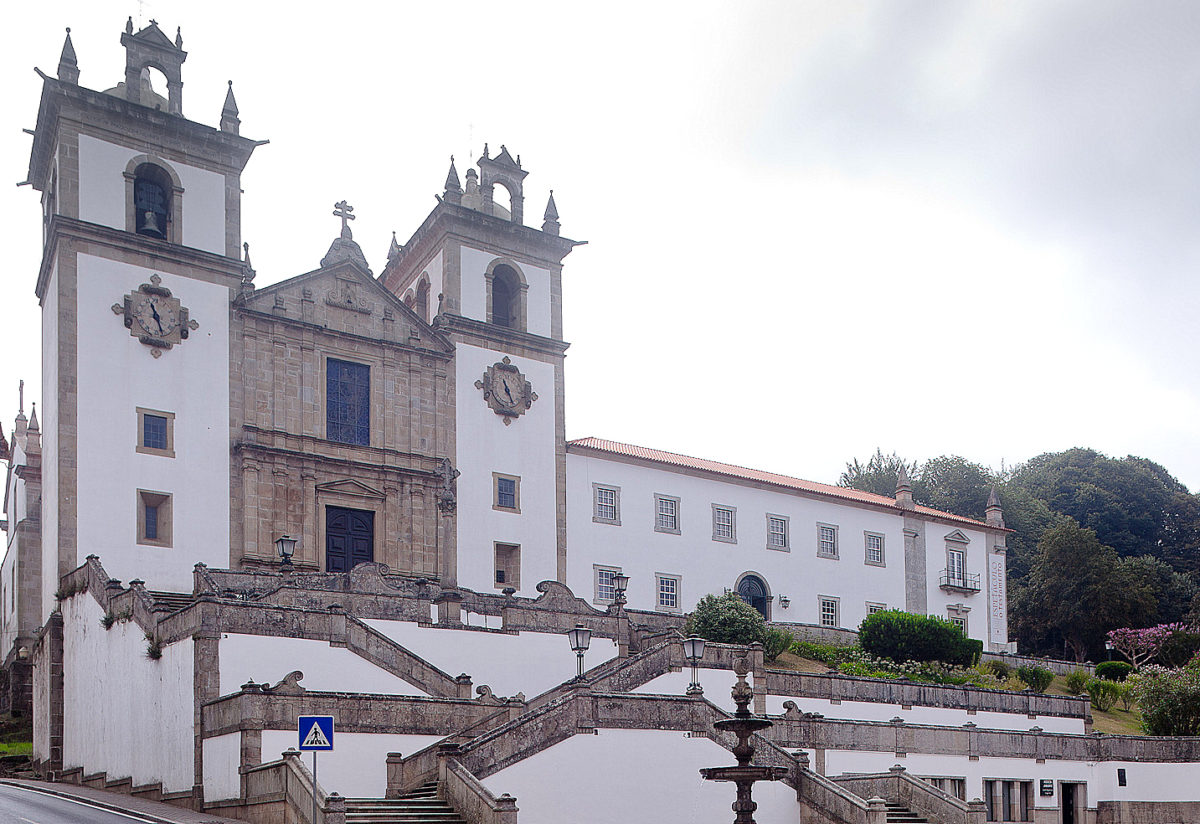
(348, 402)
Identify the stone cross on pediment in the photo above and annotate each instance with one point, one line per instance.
(447, 500)
(345, 211)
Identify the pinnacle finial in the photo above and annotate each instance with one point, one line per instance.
(129, 25)
(68, 66)
(551, 224)
(33, 421)
(393, 248)
(229, 113)
(993, 498)
(904, 495)
(453, 186)
(902, 479)
(179, 37)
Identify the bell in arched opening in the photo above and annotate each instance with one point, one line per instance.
(151, 202)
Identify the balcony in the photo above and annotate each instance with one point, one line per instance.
(958, 582)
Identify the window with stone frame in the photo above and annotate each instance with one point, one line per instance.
(606, 504)
(508, 565)
(667, 587)
(666, 514)
(829, 611)
(506, 492)
(777, 532)
(605, 586)
(873, 607)
(156, 432)
(348, 402)
(873, 549)
(1008, 800)
(827, 541)
(154, 518)
(724, 523)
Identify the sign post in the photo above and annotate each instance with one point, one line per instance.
(316, 733)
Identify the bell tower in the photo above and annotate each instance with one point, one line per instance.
(496, 286)
(141, 264)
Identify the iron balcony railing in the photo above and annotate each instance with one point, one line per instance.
(959, 581)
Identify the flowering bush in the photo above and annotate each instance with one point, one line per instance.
(1140, 645)
(1038, 678)
(856, 661)
(1169, 699)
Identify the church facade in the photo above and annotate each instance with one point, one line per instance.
(401, 439)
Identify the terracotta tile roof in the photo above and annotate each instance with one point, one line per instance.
(744, 473)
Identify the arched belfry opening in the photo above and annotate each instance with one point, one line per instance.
(752, 589)
(506, 290)
(505, 171)
(152, 201)
(150, 48)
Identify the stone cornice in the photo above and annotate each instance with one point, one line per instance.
(303, 447)
(445, 354)
(489, 335)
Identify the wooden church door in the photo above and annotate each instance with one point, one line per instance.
(349, 538)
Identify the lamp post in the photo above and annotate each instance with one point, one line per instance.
(581, 639)
(693, 651)
(285, 545)
(620, 584)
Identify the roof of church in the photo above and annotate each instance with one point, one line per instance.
(761, 476)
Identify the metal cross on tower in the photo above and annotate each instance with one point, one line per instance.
(344, 210)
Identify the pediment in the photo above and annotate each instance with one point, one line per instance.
(350, 487)
(957, 536)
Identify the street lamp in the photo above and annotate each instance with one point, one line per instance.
(285, 545)
(785, 601)
(620, 584)
(581, 639)
(693, 651)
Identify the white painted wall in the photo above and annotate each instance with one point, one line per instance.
(473, 266)
(116, 375)
(437, 283)
(709, 566)
(102, 193)
(124, 713)
(222, 756)
(329, 669)
(632, 775)
(935, 564)
(48, 415)
(871, 711)
(524, 448)
(357, 765)
(529, 662)
(9, 568)
(717, 684)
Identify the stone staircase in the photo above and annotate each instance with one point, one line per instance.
(420, 806)
(896, 814)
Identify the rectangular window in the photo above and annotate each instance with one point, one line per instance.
(827, 541)
(153, 518)
(348, 402)
(506, 492)
(777, 532)
(1008, 800)
(666, 514)
(668, 593)
(873, 608)
(606, 504)
(874, 548)
(156, 432)
(829, 611)
(959, 622)
(723, 519)
(606, 588)
(508, 566)
(956, 568)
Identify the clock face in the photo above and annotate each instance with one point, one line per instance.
(507, 390)
(156, 314)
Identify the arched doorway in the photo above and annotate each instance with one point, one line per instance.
(753, 590)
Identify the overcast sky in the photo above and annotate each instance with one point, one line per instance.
(814, 228)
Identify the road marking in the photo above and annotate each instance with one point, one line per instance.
(27, 820)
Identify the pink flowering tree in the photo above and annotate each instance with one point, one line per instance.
(1141, 645)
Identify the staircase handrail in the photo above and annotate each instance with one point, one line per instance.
(471, 799)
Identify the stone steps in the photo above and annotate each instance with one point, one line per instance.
(421, 806)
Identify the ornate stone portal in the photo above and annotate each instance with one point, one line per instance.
(743, 725)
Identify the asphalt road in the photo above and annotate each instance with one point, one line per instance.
(22, 806)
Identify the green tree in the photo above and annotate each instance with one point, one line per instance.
(1076, 591)
(878, 474)
(726, 619)
(954, 484)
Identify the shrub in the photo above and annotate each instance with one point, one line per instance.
(1125, 693)
(1170, 699)
(1113, 670)
(1076, 681)
(776, 641)
(1103, 693)
(1180, 648)
(998, 668)
(827, 653)
(902, 636)
(727, 619)
(1035, 677)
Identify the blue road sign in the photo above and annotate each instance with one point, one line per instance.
(316, 732)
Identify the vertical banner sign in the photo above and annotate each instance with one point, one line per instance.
(997, 599)
(316, 733)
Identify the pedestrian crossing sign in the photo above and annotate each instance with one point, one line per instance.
(316, 732)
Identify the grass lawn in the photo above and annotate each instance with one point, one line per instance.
(16, 748)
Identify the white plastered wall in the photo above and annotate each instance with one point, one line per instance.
(124, 713)
(710, 566)
(632, 775)
(473, 265)
(935, 564)
(357, 765)
(117, 374)
(529, 662)
(48, 414)
(265, 658)
(222, 755)
(102, 193)
(940, 716)
(525, 448)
